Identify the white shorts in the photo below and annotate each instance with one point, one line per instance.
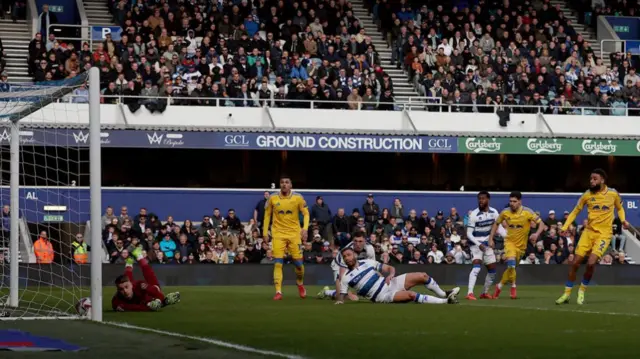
(389, 291)
(487, 257)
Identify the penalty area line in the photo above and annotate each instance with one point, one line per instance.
(215, 342)
(543, 309)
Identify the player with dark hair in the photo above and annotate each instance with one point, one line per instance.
(479, 226)
(286, 233)
(519, 221)
(140, 296)
(596, 237)
(367, 279)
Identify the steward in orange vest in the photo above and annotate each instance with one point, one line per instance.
(43, 249)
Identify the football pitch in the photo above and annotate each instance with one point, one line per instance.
(243, 322)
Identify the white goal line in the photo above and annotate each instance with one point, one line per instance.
(215, 342)
(554, 309)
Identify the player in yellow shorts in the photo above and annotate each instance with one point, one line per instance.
(519, 221)
(286, 233)
(594, 241)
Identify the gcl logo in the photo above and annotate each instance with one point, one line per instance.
(235, 141)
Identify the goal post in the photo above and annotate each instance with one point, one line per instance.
(40, 169)
(95, 180)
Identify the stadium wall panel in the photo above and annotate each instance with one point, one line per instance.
(257, 274)
(195, 203)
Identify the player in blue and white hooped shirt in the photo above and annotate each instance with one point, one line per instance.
(366, 277)
(479, 226)
(362, 249)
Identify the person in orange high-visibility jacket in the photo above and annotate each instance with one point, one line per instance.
(80, 250)
(43, 249)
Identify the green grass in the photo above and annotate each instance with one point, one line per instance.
(608, 326)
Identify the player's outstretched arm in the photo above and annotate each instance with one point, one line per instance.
(574, 214)
(339, 279)
(494, 229)
(389, 271)
(119, 305)
(621, 214)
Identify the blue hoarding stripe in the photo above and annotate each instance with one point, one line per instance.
(195, 203)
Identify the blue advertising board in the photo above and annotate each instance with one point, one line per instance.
(627, 28)
(633, 46)
(66, 10)
(99, 33)
(184, 203)
(237, 140)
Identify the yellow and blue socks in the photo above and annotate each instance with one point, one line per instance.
(584, 285)
(568, 287)
(299, 271)
(509, 276)
(277, 274)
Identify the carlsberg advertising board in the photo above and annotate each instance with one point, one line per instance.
(549, 146)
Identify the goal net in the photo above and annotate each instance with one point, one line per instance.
(44, 194)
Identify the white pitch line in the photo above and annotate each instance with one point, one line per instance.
(220, 343)
(543, 309)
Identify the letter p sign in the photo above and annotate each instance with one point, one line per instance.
(105, 32)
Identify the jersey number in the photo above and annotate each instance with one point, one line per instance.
(602, 244)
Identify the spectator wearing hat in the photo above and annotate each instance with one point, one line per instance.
(551, 219)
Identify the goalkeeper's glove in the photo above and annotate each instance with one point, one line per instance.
(155, 305)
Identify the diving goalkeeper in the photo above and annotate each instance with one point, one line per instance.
(140, 296)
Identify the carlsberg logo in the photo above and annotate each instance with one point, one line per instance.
(543, 146)
(478, 145)
(598, 147)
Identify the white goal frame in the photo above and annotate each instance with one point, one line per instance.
(95, 178)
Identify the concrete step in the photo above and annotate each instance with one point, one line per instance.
(102, 6)
(9, 28)
(6, 21)
(18, 73)
(18, 52)
(24, 36)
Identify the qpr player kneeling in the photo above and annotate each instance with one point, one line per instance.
(366, 278)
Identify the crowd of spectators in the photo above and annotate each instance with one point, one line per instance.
(399, 235)
(243, 53)
(510, 52)
(236, 53)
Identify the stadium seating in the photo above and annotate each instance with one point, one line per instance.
(469, 58)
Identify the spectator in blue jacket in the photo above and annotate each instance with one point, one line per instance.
(251, 26)
(298, 71)
(168, 246)
(405, 14)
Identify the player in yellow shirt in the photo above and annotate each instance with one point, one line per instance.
(594, 241)
(286, 233)
(519, 221)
